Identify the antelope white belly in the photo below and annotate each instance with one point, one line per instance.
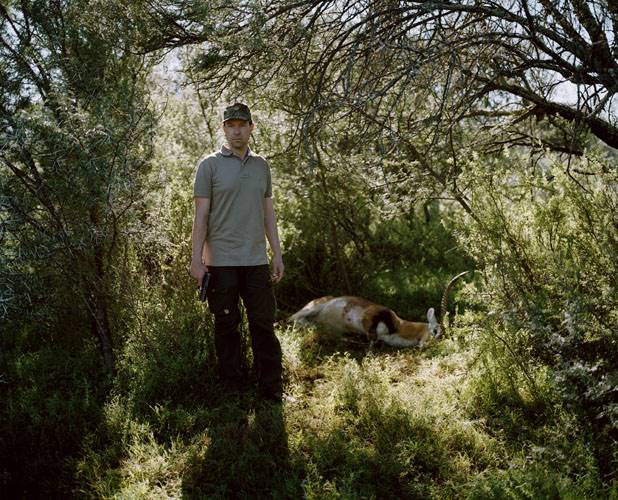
(333, 314)
(354, 319)
(338, 314)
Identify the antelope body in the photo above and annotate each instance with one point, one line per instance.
(377, 322)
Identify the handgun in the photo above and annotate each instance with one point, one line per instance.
(204, 287)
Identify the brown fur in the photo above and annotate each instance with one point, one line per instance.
(377, 322)
(411, 330)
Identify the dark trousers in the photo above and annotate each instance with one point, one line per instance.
(254, 286)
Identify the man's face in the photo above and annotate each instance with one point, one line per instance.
(237, 133)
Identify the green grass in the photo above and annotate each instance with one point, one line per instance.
(364, 424)
(453, 420)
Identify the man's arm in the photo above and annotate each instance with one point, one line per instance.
(272, 234)
(198, 238)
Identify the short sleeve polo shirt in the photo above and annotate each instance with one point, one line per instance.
(236, 189)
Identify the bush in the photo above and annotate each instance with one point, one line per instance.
(548, 253)
(51, 398)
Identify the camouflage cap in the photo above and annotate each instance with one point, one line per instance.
(237, 111)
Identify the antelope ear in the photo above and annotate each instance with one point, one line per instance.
(431, 316)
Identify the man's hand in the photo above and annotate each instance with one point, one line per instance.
(277, 267)
(198, 270)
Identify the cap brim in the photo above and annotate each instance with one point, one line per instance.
(237, 117)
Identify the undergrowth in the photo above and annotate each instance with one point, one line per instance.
(359, 424)
(518, 401)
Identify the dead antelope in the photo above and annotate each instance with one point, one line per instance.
(378, 323)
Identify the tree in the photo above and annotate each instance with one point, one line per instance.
(74, 147)
(497, 62)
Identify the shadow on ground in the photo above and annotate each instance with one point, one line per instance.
(246, 453)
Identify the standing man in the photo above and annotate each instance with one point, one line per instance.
(233, 212)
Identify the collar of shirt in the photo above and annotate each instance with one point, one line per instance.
(227, 152)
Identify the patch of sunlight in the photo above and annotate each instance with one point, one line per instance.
(154, 470)
(363, 399)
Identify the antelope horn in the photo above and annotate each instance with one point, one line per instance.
(444, 302)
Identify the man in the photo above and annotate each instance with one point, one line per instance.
(233, 212)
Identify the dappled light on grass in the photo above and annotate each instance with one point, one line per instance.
(362, 423)
(390, 424)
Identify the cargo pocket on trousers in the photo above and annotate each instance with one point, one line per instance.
(218, 301)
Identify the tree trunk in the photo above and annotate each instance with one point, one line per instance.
(343, 272)
(99, 307)
(341, 267)
(102, 332)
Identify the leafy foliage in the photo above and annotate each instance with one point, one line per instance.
(547, 250)
(400, 158)
(75, 149)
